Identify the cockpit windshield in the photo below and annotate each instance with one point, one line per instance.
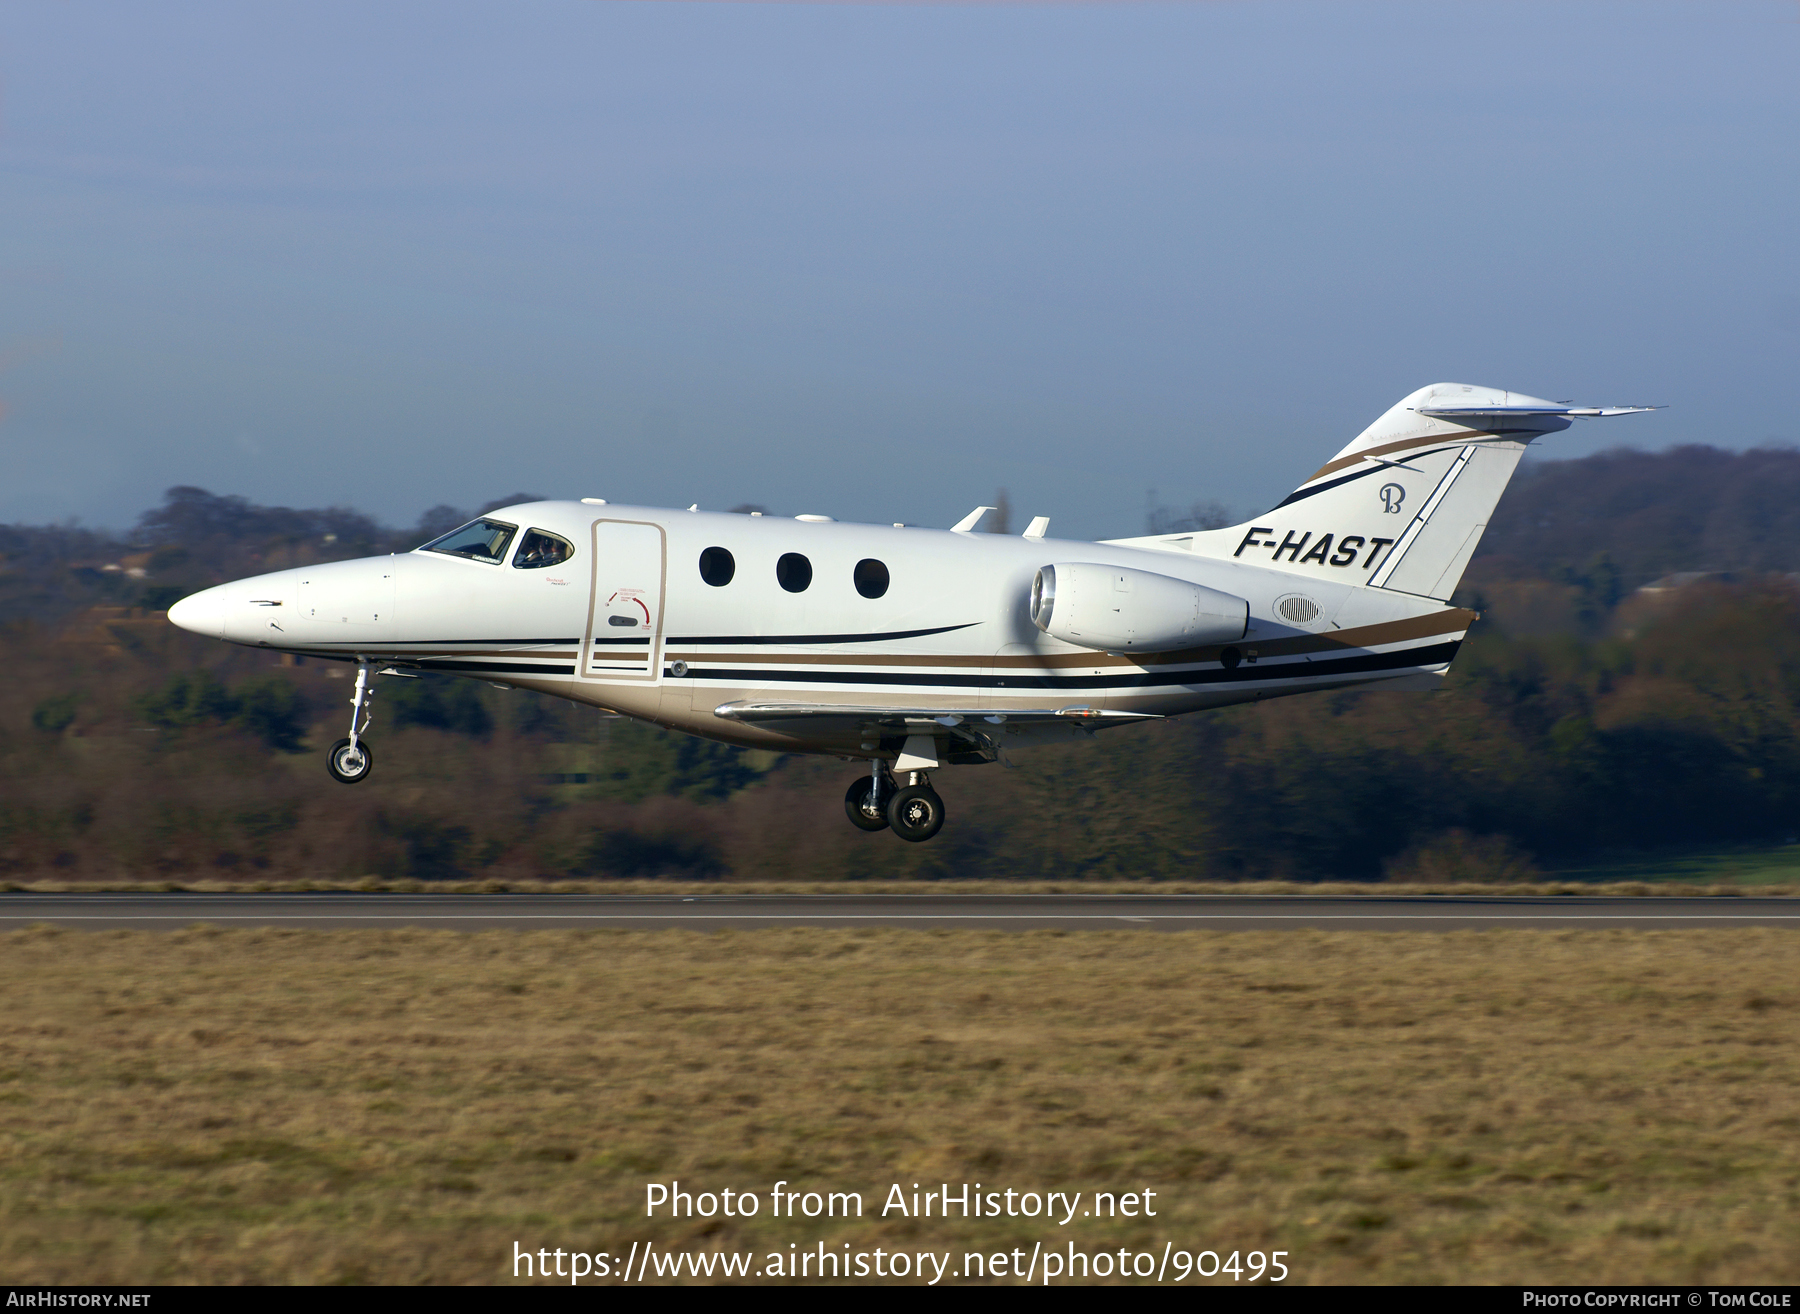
(540, 548)
(479, 540)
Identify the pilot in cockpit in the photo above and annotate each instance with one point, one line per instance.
(540, 549)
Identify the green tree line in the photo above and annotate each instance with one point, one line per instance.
(1671, 721)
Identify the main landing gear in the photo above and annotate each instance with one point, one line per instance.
(865, 802)
(349, 760)
(879, 802)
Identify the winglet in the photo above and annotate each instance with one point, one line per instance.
(969, 521)
(1039, 526)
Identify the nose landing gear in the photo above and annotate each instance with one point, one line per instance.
(876, 802)
(350, 760)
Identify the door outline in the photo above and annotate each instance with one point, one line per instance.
(652, 673)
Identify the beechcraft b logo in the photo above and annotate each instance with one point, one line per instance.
(1392, 495)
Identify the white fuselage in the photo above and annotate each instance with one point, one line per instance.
(629, 624)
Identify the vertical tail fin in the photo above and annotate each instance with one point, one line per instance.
(1404, 505)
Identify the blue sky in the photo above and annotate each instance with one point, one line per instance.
(872, 261)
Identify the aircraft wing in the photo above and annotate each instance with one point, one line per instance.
(950, 718)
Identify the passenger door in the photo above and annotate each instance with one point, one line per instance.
(625, 608)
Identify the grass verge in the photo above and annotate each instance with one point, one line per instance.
(404, 1106)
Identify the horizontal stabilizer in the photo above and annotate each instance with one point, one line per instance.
(1579, 412)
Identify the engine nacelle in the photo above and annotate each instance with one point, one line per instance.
(1117, 609)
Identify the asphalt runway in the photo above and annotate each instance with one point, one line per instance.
(1070, 912)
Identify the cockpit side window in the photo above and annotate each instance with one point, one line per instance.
(479, 540)
(541, 548)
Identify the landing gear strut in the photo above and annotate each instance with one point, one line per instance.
(349, 759)
(865, 802)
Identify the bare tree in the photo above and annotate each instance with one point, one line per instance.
(1159, 519)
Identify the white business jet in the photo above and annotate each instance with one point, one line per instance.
(919, 648)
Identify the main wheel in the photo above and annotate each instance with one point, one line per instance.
(863, 814)
(916, 813)
(349, 765)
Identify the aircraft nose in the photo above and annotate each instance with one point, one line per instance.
(201, 613)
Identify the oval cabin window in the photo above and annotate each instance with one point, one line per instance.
(871, 578)
(717, 567)
(793, 572)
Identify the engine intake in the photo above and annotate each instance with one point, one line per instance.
(1117, 609)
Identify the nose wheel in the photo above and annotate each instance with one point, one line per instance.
(349, 760)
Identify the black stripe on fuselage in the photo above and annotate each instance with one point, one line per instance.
(818, 638)
(462, 643)
(511, 668)
(429, 663)
(387, 645)
(1436, 654)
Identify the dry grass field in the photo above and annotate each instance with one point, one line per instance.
(404, 1106)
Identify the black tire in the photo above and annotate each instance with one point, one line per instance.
(916, 813)
(856, 800)
(349, 767)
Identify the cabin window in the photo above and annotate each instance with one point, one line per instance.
(793, 572)
(479, 540)
(871, 578)
(717, 566)
(540, 549)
